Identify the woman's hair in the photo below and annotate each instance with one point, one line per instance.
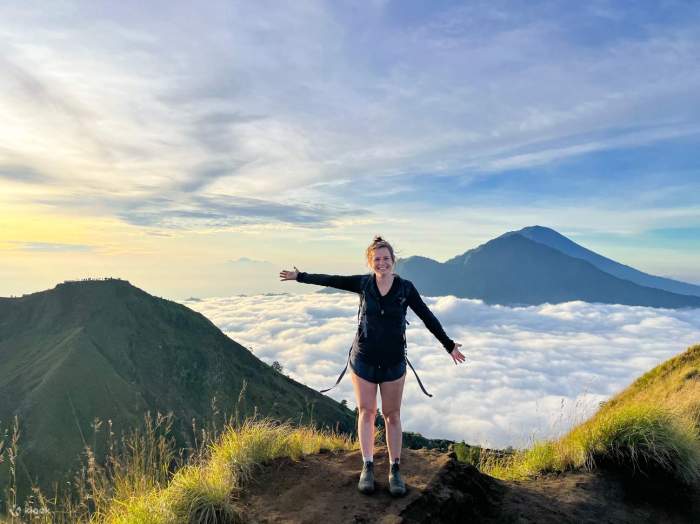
(376, 244)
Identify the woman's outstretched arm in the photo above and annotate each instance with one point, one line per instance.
(348, 283)
(433, 324)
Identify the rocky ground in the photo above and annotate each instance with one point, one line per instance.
(322, 489)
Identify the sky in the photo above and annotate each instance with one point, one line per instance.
(531, 372)
(196, 149)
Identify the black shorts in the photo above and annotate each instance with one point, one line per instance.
(377, 373)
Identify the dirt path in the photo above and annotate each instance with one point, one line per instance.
(323, 489)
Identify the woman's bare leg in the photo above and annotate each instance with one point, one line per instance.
(366, 399)
(391, 393)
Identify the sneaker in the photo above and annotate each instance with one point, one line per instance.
(366, 484)
(397, 487)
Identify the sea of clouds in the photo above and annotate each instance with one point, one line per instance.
(531, 372)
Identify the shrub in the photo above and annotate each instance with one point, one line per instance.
(638, 438)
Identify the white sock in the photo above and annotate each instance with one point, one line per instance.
(368, 459)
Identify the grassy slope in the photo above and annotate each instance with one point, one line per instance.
(650, 427)
(107, 349)
(206, 489)
(674, 384)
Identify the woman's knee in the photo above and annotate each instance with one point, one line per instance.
(392, 417)
(368, 412)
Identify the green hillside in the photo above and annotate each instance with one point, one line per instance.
(651, 430)
(674, 384)
(107, 349)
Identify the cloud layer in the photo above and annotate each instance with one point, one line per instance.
(531, 372)
(328, 101)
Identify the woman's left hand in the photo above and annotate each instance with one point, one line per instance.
(456, 355)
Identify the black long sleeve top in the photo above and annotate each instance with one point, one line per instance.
(383, 339)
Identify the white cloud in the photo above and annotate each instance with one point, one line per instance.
(251, 100)
(532, 372)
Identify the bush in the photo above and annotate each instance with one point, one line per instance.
(636, 438)
(639, 438)
(205, 492)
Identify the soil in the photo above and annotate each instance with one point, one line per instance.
(322, 488)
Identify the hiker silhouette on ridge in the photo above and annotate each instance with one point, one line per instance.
(378, 353)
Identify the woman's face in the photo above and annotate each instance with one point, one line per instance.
(381, 261)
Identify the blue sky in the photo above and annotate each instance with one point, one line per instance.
(290, 133)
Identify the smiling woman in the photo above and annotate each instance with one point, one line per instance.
(378, 354)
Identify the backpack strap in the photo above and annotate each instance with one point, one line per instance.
(362, 325)
(417, 378)
(342, 373)
(403, 297)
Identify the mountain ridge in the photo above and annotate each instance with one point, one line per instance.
(554, 239)
(512, 269)
(107, 349)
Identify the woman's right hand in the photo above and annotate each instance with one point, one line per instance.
(289, 275)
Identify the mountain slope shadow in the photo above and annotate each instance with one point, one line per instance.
(322, 488)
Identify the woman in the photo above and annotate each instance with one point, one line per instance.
(378, 353)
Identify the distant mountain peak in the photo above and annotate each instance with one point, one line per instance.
(537, 264)
(415, 258)
(538, 228)
(550, 237)
(91, 284)
(90, 281)
(533, 231)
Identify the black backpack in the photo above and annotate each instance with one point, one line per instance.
(404, 290)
